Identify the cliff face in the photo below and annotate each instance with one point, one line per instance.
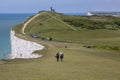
(21, 48)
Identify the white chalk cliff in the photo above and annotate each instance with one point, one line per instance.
(21, 48)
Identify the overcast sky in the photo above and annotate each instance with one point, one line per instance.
(64, 6)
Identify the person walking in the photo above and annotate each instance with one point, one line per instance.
(61, 56)
(57, 56)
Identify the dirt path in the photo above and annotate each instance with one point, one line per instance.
(25, 24)
(2, 62)
(64, 23)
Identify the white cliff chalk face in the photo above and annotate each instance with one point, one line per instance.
(21, 48)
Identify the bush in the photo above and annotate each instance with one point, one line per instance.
(91, 23)
(116, 48)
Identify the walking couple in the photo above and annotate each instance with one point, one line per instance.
(59, 55)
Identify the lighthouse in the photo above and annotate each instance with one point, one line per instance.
(52, 10)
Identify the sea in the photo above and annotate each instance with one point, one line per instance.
(9, 20)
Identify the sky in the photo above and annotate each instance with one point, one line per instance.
(64, 6)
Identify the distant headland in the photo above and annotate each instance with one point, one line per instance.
(115, 14)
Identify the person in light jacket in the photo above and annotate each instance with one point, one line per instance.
(61, 56)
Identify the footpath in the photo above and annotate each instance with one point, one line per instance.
(25, 24)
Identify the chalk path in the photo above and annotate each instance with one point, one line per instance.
(25, 24)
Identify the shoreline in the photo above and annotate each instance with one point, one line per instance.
(23, 49)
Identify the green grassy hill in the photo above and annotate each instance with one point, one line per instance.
(92, 53)
(94, 30)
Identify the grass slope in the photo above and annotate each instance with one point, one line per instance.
(80, 63)
(53, 25)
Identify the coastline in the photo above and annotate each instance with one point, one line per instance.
(23, 49)
(7, 21)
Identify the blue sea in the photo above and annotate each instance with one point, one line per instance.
(7, 21)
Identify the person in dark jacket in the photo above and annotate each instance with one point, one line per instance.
(57, 56)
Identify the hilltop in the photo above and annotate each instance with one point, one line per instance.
(87, 30)
(90, 45)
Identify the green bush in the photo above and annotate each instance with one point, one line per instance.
(108, 47)
(91, 23)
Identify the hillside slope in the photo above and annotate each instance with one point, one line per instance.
(76, 29)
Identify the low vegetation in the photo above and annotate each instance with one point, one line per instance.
(116, 48)
(91, 23)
